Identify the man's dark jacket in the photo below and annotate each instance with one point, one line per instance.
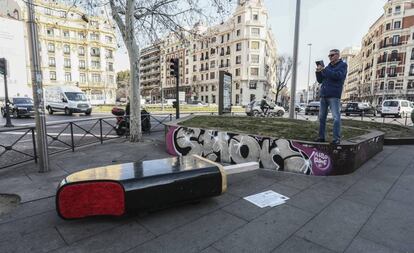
(332, 79)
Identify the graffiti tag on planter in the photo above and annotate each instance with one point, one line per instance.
(321, 160)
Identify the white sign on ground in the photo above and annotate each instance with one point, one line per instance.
(267, 198)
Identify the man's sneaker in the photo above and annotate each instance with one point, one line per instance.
(319, 140)
(336, 142)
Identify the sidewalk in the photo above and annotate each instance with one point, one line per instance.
(371, 210)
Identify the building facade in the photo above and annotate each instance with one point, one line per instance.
(243, 46)
(75, 49)
(386, 60)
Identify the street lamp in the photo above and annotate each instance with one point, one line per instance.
(295, 61)
(309, 66)
(6, 111)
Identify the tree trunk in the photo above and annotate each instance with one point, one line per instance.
(277, 95)
(127, 31)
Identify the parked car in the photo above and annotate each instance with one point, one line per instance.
(379, 109)
(360, 109)
(19, 107)
(396, 107)
(313, 108)
(67, 99)
(253, 109)
(299, 108)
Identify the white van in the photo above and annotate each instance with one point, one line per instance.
(396, 107)
(67, 99)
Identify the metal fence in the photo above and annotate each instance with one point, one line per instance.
(405, 120)
(18, 145)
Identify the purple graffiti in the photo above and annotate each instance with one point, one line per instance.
(321, 163)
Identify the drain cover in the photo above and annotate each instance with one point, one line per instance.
(8, 202)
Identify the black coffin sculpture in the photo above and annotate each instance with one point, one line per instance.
(148, 185)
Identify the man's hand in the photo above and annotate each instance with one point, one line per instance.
(319, 68)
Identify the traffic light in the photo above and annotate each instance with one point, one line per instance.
(3, 66)
(174, 67)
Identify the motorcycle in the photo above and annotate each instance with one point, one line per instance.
(122, 121)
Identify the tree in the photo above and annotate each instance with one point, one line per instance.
(283, 67)
(122, 82)
(141, 21)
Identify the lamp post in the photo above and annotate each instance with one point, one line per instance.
(3, 70)
(309, 66)
(295, 62)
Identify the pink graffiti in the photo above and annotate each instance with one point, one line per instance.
(321, 162)
(170, 140)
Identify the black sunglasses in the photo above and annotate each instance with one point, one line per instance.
(331, 55)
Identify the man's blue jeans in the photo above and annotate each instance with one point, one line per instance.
(334, 104)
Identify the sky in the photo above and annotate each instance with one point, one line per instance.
(327, 24)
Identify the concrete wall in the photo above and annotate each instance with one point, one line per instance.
(276, 154)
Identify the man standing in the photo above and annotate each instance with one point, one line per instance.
(332, 79)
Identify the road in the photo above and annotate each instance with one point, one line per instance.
(16, 144)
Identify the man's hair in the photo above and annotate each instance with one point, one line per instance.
(336, 51)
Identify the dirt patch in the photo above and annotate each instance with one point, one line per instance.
(279, 128)
(8, 202)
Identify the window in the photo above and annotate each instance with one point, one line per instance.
(411, 70)
(194, 68)
(239, 46)
(252, 85)
(255, 31)
(202, 88)
(237, 72)
(52, 62)
(222, 51)
(237, 99)
(109, 54)
(410, 85)
(50, 32)
(237, 86)
(96, 64)
(255, 58)
(66, 63)
(82, 64)
(392, 71)
(52, 75)
(94, 36)
(110, 66)
(81, 51)
(82, 78)
(394, 55)
(397, 9)
(395, 40)
(212, 64)
(66, 49)
(254, 71)
(66, 34)
(81, 35)
(186, 61)
(213, 40)
(228, 63)
(51, 47)
(228, 36)
(255, 45)
(212, 51)
(238, 59)
(206, 99)
(255, 17)
(222, 38)
(228, 50)
(397, 24)
(96, 78)
(391, 85)
(238, 33)
(68, 77)
(202, 77)
(194, 57)
(213, 98)
(186, 70)
(111, 79)
(388, 26)
(238, 19)
(398, 86)
(108, 39)
(389, 10)
(95, 51)
(212, 75)
(412, 54)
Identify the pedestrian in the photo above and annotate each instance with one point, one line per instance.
(332, 79)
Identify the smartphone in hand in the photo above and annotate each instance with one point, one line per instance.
(320, 63)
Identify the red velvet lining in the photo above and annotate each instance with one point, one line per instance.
(91, 199)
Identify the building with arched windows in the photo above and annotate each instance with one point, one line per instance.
(75, 49)
(384, 68)
(243, 46)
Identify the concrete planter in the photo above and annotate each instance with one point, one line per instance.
(275, 154)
